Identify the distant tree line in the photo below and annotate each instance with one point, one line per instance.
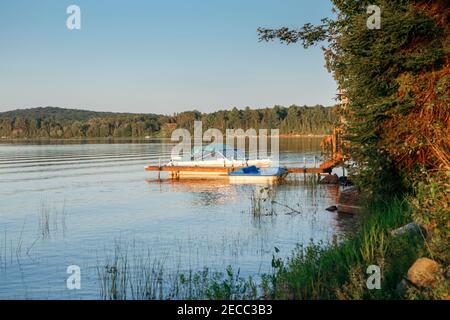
(52, 122)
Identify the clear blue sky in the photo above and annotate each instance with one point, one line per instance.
(158, 56)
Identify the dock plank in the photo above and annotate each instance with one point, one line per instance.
(226, 169)
(192, 169)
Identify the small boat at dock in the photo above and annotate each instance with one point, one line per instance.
(219, 160)
(214, 156)
(253, 174)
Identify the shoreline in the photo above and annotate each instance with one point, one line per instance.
(5, 139)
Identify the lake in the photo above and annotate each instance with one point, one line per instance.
(78, 202)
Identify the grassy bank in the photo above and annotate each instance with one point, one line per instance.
(338, 271)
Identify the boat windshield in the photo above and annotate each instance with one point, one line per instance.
(213, 152)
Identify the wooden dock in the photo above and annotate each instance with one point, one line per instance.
(225, 170)
(191, 169)
(330, 148)
(177, 171)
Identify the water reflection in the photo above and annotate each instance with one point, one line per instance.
(69, 203)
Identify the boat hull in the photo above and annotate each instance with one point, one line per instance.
(255, 179)
(253, 174)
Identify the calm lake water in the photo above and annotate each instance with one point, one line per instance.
(72, 203)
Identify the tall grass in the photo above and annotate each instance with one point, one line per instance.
(44, 220)
(131, 276)
(270, 201)
(262, 200)
(338, 271)
(50, 218)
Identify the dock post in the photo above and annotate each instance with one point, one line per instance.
(304, 166)
(159, 167)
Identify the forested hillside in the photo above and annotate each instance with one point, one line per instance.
(52, 122)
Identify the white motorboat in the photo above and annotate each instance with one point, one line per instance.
(216, 156)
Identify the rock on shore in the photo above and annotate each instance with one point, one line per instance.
(424, 273)
(349, 201)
